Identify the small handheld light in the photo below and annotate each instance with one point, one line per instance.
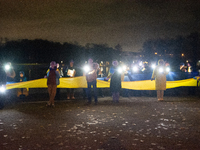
(7, 67)
(161, 70)
(168, 69)
(86, 68)
(120, 70)
(140, 64)
(135, 68)
(2, 89)
(124, 68)
(153, 66)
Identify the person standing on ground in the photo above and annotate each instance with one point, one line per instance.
(70, 73)
(91, 76)
(57, 97)
(3, 77)
(99, 75)
(53, 77)
(159, 74)
(10, 72)
(21, 93)
(115, 82)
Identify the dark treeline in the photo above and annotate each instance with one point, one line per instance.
(43, 51)
(174, 50)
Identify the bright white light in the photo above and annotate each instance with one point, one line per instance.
(2, 89)
(161, 70)
(168, 69)
(140, 64)
(135, 68)
(124, 68)
(120, 70)
(86, 68)
(7, 67)
(153, 66)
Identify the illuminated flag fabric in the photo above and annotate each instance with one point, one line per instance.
(80, 82)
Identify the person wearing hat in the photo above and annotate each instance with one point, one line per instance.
(91, 77)
(10, 73)
(23, 91)
(53, 77)
(3, 78)
(159, 74)
(70, 73)
(115, 82)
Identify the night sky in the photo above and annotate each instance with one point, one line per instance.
(125, 22)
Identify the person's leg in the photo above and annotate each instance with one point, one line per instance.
(68, 93)
(158, 94)
(19, 92)
(95, 91)
(100, 91)
(89, 92)
(84, 93)
(72, 94)
(49, 91)
(117, 96)
(114, 96)
(161, 94)
(58, 94)
(25, 91)
(53, 94)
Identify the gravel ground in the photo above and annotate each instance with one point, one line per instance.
(133, 124)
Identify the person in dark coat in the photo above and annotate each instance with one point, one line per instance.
(115, 83)
(70, 73)
(23, 91)
(91, 78)
(2, 86)
(10, 72)
(53, 77)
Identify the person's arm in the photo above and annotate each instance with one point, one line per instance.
(153, 75)
(57, 74)
(13, 74)
(74, 73)
(3, 78)
(122, 77)
(48, 73)
(25, 79)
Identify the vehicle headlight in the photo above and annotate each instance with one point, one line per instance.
(2, 89)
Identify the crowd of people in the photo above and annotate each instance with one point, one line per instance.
(115, 77)
(54, 73)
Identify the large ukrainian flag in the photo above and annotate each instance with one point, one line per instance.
(80, 82)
